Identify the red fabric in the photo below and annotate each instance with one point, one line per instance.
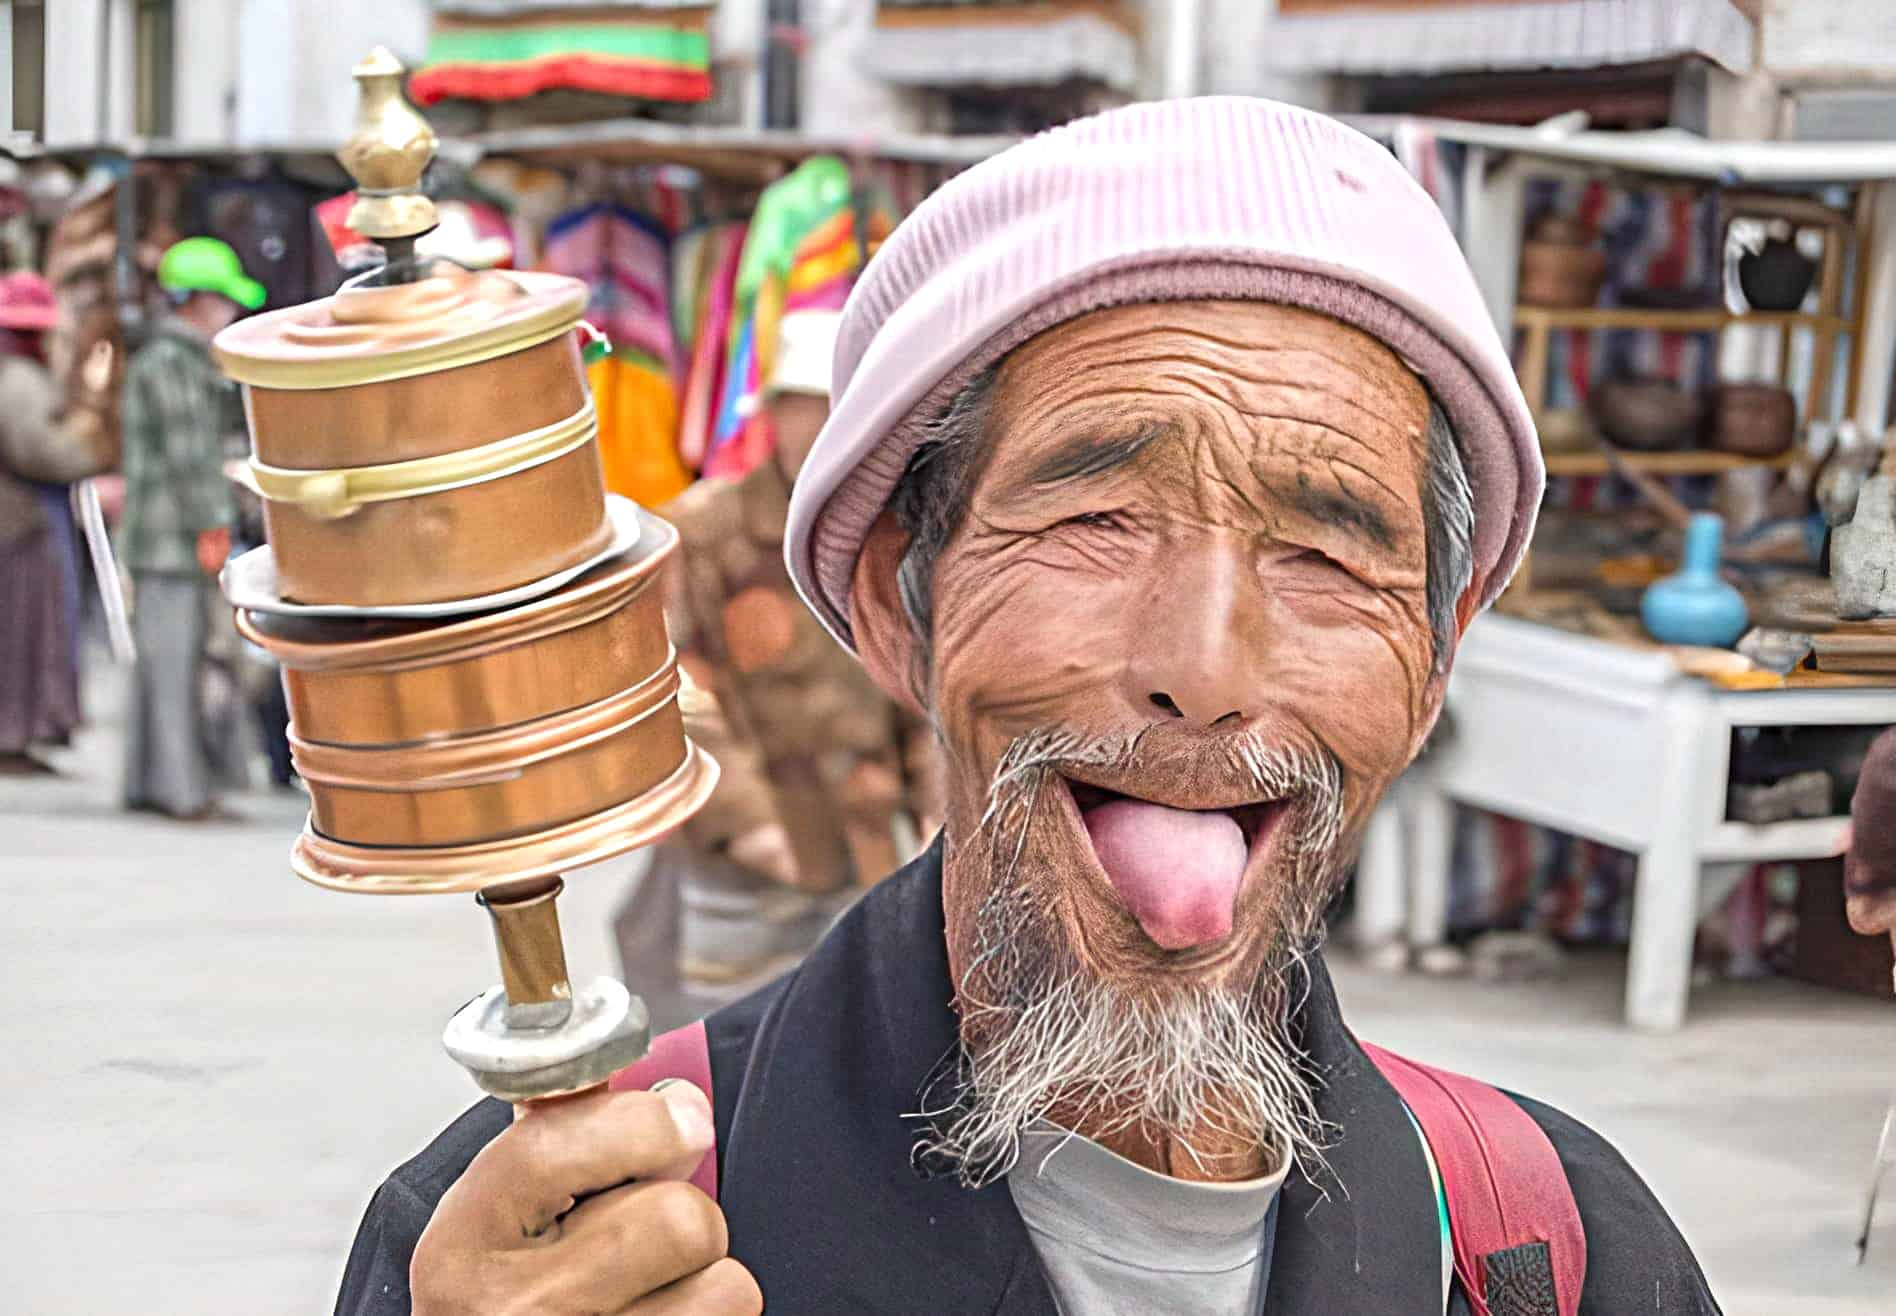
(507, 82)
(1504, 1182)
(682, 1053)
(27, 302)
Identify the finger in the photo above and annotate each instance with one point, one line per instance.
(624, 1244)
(1871, 912)
(722, 1289)
(531, 1174)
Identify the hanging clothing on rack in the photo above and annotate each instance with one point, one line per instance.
(806, 242)
(625, 260)
(704, 380)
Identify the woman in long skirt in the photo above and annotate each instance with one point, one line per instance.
(40, 455)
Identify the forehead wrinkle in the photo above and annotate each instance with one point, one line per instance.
(1235, 389)
(1291, 329)
(1272, 419)
(1364, 364)
(1262, 439)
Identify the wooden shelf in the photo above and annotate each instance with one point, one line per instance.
(1692, 461)
(1703, 320)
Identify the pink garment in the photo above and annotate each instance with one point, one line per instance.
(704, 383)
(1220, 197)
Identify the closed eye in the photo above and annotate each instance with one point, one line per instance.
(1311, 564)
(1095, 519)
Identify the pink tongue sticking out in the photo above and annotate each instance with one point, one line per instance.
(1177, 870)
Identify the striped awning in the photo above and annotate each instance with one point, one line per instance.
(1004, 45)
(509, 49)
(1430, 36)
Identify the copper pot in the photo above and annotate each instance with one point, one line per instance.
(424, 442)
(1753, 420)
(487, 729)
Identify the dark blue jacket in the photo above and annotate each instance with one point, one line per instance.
(815, 1080)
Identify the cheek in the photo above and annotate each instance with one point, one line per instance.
(1355, 667)
(1019, 646)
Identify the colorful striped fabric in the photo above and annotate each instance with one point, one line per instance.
(625, 259)
(704, 380)
(802, 253)
(644, 55)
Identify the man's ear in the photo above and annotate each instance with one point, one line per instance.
(1466, 607)
(884, 640)
(1435, 690)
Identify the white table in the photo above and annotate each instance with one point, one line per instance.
(1608, 743)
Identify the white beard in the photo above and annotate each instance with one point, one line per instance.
(1201, 1066)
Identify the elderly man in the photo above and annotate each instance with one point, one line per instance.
(1869, 864)
(1171, 453)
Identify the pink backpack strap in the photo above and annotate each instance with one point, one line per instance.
(1519, 1246)
(682, 1053)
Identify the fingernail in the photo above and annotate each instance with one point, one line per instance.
(691, 1109)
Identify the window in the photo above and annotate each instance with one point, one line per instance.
(29, 66)
(152, 114)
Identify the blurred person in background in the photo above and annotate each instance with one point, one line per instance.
(826, 784)
(1869, 862)
(179, 508)
(43, 449)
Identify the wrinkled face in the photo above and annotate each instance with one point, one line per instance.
(1181, 646)
(1199, 524)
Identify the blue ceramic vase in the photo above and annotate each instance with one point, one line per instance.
(1694, 605)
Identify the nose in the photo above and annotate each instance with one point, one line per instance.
(1196, 644)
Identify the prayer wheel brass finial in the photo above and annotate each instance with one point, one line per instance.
(387, 154)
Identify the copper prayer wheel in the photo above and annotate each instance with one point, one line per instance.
(422, 442)
(426, 436)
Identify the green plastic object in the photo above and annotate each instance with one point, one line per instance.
(209, 265)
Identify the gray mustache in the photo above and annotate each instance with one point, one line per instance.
(1310, 777)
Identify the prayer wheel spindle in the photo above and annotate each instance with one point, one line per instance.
(534, 1035)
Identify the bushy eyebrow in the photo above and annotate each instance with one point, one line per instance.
(1092, 455)
(1340, 507)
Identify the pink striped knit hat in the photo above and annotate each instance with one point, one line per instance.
(1220, 197)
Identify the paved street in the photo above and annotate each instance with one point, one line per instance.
(214, 1065)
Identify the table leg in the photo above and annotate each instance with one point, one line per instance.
(1692, 747)
(1665, 919)
(1432, 826)
(1381, 869)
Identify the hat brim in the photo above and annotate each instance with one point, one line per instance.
(39, 318)
(247, 293)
